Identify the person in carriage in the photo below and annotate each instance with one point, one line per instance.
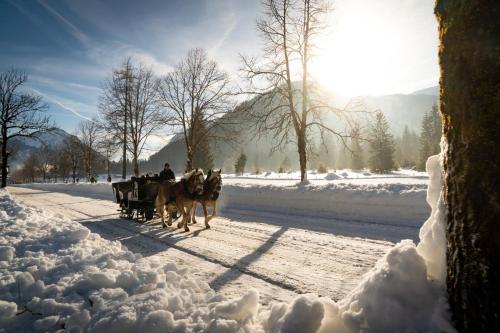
(167, 173)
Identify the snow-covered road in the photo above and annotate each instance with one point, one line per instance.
(280, 255)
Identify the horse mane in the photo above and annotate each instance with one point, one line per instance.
(191, 173)
(188, 175)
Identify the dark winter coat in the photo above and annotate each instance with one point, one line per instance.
(167, 175)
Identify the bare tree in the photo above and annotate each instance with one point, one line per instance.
(115, 104)
(29, 171)
(72, 152)
(196, 97)
(130, 108)
(144, 117)
(107, 146)
(44, 159)
(21, 114)
(88, 134)
(61, 162)
(289, 110)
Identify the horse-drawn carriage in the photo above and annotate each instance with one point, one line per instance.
(137, 197)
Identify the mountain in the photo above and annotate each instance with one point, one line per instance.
(400, 109)
(22, 147)
(434, 91)
(174, 153)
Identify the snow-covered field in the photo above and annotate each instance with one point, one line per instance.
(271, 244)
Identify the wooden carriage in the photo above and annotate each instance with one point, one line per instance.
(137, 197)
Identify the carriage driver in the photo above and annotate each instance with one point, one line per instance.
(167, 173)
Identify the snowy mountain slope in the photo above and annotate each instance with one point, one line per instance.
(24, 146)
(434, 91)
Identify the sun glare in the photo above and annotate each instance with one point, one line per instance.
(370, 50)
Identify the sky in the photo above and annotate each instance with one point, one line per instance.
(69, 47)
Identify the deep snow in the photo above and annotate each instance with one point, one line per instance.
(56, 274)
(403, 292)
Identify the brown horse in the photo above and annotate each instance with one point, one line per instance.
(211, 190)
(179, 196)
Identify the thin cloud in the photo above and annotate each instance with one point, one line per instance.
(77, 33)
(213, 49)
(60, 104)
(58, 83)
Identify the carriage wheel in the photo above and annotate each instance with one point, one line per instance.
(149, 213)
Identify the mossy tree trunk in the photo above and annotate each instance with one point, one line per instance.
(470, 105)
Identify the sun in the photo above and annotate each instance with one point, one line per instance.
(370, 50)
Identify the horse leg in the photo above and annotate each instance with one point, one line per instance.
(193, 218)
(189, 208)
(205, 212)
(169, 208)
(214, 213)
(160, 208)
(180, 210)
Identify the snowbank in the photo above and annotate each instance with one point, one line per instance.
(400, 204)
(404, 292)
(56, 274)
(98, 191)
(331, 175)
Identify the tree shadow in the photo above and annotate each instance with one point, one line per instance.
(163, 239)
(392, 232)
(242, 265)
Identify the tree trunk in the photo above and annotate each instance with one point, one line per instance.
(124, 163)
(302, 156)
(470, 105)
(108, 167)
(136, 165)
(189, 160)
(5, 157)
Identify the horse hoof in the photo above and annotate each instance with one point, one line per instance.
(186, 229)
(194, 222)
(207, 226)
(179, 225)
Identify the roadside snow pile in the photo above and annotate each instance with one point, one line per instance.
(96, 191)
(331, 176)
(55, 274)
(401, 204)
(403, 293)
(432, 233)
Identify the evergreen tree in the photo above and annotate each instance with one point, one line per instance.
(239, 166)
(430, 136)
(357, 162)
(202, 155)
(407, 149)
(381, 146)
(285, 165)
